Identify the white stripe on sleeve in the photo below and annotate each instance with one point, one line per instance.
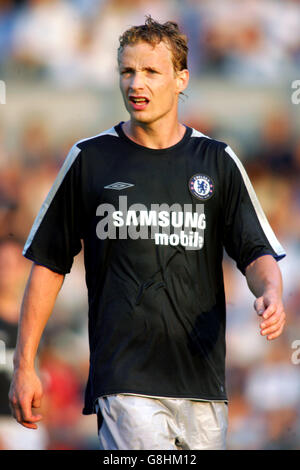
(71, 157)
(258, 209)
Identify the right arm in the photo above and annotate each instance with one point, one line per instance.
(39, 298)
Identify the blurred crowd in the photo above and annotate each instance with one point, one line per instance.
(255, 40)
(71, 41)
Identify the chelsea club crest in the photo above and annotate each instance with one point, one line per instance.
(201, 186)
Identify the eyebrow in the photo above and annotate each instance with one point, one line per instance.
(131, 69)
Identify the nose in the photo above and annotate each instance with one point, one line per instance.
(137, 81)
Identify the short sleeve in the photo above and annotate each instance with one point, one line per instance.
(247, 232)
(55, 237)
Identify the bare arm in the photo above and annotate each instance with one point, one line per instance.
(265, 282)
(39, 297)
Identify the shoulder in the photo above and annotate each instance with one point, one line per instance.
(206, 140)
(98, 139)
(226, 150)
(89, 145)
(209, 149)
(218, 151)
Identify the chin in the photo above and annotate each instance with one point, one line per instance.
(145, 118)
(141, 118)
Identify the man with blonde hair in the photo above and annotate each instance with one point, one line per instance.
(155, 203)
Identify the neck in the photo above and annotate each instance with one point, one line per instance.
(156, 135)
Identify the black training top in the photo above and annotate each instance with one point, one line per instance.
(154, 224)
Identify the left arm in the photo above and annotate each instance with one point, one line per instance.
(265, 282)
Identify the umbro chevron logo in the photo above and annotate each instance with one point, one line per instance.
(119, 185)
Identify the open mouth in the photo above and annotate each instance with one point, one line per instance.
(138, 102)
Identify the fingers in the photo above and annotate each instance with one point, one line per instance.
(27, 416)
(270, 310)
(18, 415)
(25, 394)
(15, 410)
(265, 310)
(21, 410)
(273, 316)
(276, 334)
(272, 327)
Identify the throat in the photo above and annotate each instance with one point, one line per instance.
(153, 137)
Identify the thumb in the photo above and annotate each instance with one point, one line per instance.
(259, 305)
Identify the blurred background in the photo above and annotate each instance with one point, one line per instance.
(58, 62)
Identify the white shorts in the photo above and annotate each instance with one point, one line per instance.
(130, 422)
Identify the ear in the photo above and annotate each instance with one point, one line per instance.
(182, 79)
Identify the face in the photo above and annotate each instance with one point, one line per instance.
(148, 82)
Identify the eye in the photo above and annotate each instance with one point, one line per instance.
(126, 72)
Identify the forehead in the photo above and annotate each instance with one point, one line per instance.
(143, 54)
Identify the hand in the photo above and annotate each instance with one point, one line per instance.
(270, 307)
(25, 393)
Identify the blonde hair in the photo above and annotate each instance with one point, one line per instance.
(153, 33)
